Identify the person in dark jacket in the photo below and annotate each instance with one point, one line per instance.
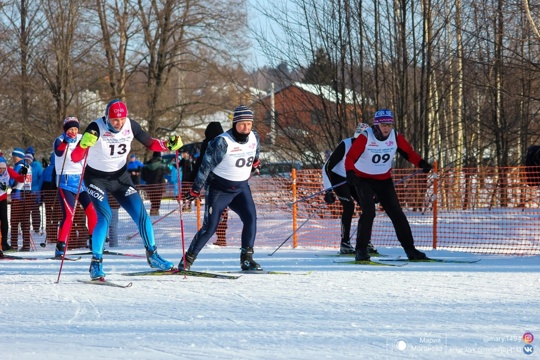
(333, 175)
(213, 130)
(153, 173)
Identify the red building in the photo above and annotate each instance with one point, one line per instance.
(308, 120)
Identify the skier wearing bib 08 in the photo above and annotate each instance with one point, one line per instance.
(226, 167)
(334, 173)
(108, 142)
(369, 164)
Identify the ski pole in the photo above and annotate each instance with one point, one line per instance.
(290, 236)
(129, 237)
(74, 208)
(408, 177)
(180, 203)
(315, 194)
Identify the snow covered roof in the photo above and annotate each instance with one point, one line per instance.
(327, 92)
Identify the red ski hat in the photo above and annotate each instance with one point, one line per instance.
(117, 110)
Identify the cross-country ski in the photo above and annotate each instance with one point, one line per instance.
(104, 282)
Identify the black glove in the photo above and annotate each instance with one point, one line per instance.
(192, 195)
(351, 178)
(3, 186)
(426, 167)
(329, 197)
(23, 170)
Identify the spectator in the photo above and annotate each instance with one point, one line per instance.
(34, 198)
(187, 175)
(187, 167)
(19, 201)
(6, 173)
(105, 142)
(71, 188)
(134, 168)
(226, 167)
(213, 130)
(174, 176)
(50, 202)
(153, 173)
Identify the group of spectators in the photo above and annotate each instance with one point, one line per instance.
(155, 174)
(25, 178)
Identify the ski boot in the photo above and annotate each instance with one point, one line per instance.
(6, 247)
(415, 254)
(190, 259)
(60, 249)
(246, 259)
(96, 268)
(371, 249)
(362, 255)
(156, 261)
(346, 248)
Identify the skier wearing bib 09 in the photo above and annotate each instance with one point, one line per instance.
(333, 174)
(369, 164)
(226, 167)
(68, 178)
(108, 142)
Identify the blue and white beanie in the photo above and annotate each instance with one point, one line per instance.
(383, 116)
(242, 113)
(18, 152)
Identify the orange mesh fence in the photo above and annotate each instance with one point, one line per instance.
(484, 210)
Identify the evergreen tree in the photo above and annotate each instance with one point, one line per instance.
(321, 71)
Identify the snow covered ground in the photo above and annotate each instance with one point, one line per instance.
(322, 310)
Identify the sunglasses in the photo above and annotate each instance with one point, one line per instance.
(386, 125)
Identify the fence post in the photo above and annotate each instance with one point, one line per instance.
(294, 209)
(435, 202)
(198, 211)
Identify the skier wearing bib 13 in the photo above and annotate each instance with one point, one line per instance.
(108, 143)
